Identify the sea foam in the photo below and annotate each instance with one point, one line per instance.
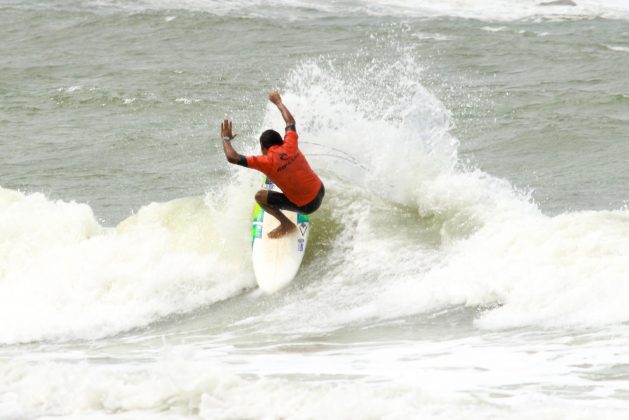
(64, 276)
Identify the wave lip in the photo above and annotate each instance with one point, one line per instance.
(63, 276)
(423, 232)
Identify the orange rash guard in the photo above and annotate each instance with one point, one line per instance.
(288, 168)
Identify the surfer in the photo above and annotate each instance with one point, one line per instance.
(284, 164)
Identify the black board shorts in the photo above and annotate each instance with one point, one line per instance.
(280, 201)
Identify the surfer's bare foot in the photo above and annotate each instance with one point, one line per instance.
(281, 230)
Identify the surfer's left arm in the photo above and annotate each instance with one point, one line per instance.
(230, 153)
(276, 99)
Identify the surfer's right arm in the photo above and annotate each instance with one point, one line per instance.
(275, 97)
(230, 153)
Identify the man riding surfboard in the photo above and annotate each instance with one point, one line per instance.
(285, 165)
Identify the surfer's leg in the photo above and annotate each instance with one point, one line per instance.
(314, 204)
(286, 226)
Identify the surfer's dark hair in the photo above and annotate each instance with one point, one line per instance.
(270, 138)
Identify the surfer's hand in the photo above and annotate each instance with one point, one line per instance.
(226, 130)
(275, 97)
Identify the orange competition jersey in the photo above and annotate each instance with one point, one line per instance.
(287, 167)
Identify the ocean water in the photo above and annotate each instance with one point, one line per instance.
(471, 258)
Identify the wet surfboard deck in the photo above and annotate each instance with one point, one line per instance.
(277, 261)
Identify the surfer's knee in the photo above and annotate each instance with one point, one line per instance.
(261, 196)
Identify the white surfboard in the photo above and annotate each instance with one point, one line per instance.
(276, 261)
